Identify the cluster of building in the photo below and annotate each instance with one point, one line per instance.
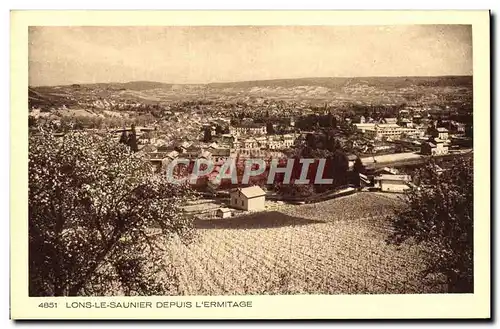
(252, 142)
(390, 128)
(248, 140)
(387, 180)
(392, 181)
(244, 139)
(430, 139)
(249, 128)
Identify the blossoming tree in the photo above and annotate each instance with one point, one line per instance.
(99, 219)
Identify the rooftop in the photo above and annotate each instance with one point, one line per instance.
(185, 144)
(405, 178)
(205, 154)
(388, 125)
(173, 154)
(391, 170)
(364, 124)
(390, 157)
(251, 191)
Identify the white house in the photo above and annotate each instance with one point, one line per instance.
(389, 130)
(250, 143)
(288, 140)
(248, 198)
(224, 212)
(442, 133)
(434, 147)
(393, 183)
(248, 128)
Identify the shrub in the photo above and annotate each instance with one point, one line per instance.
(439, 215)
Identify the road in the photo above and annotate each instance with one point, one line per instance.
(405, 159)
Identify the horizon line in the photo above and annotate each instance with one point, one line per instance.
(263, 80)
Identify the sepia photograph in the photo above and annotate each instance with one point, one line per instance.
(249, 160)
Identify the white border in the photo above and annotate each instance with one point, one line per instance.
(146, 4)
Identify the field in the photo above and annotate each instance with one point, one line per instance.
(333, 247)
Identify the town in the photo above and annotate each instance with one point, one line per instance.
(251, 160)
(284, 195)
(370, 147)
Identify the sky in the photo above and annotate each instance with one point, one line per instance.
(66, 55)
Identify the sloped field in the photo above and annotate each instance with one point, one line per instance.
(333, 247)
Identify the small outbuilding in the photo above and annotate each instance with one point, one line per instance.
(224, 213)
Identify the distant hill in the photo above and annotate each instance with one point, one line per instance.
(144, 85)
(372, 90)
(333, 82)
(132, 85)
(392, 82)
(47, 96)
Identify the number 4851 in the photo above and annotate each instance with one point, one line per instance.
(48, 305)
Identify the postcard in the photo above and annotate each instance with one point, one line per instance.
(250, 165)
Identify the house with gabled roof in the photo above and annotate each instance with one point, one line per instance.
(434, 146)
(393, 183)
(183, 147)
(250, 198)
(224, 212)
(172, 155)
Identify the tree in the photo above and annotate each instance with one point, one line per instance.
(340, 166)
(333, 121)
(358, 168)
(32, 121)
(207, 134)
(311, 141)
(132, 140)
(296, 190)
(469, 132)
(98, 218)
(431, 130)
(124, 137)
(270, 128)
(219, 130)
(439, 216)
